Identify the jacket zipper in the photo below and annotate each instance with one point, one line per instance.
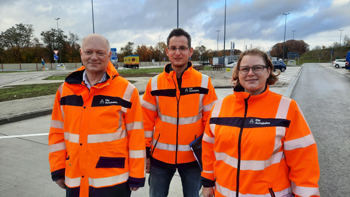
(239, 144)
(177, 122)
(272, 193)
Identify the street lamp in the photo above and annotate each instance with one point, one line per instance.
(217, 43)
(285, 27)
(159, 48)
(177, 13)
(293, 33)
(57, 39)
(341, 31)
(224, 32)
(92, 9)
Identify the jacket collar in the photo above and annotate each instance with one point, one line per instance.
(240, 94)
(170, 72)
(76, 77)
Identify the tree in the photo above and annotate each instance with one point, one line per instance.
(346, 41)
(15, 39)
(128, 49)
(291, 46)
(143, 52)
(54, 40)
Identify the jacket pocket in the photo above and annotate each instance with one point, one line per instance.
(154, 147)
(111, 162)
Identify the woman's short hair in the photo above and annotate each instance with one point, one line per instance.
(272, 78)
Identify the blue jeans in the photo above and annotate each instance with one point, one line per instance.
(160, 178)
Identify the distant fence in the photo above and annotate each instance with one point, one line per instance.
(69, 66)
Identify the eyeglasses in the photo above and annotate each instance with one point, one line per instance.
(181, 49)
(257, 69)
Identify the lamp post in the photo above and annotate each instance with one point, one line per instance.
(293, 33)
(57, 39)
(217, 43)
(285, 28)
(224, 32)
(159, 48)
(92, 10)
(341, 31)
(177, 13)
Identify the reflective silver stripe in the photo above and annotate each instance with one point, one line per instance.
(108, 181)
(299, 143)
(71, 137)
(154, 83)
(249, 164)
(148, 134)
(107, 137)
(208, 139)
(182, 121)
(134, 125)
(204, 84)
(57, 147)
(230, 193)
(148, 105)
(283, 107)
(74, 182)
(215, 113)
(56, 124)
(208, 107)
(171, 147)
(128, 94)
(305, 191)
(137, 154)
(209, 172)
(282, 113)
(60, 89)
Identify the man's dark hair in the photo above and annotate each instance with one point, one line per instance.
(180, 32)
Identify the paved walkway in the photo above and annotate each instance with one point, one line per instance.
(21, 109)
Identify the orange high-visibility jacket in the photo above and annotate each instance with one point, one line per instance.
(259, 145)
(175, 116)
(96, 139)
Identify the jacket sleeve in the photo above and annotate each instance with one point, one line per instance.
(149, 111)
(208, 101)
(301, 154)
(136, 140)
(208, 157)
(57, 146)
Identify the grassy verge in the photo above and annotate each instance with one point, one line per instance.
(27, 91)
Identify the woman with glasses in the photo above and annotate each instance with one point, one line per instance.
(257, 142)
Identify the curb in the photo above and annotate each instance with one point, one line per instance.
(25, 116)
(290, 89)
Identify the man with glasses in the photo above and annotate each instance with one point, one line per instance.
(175, 107)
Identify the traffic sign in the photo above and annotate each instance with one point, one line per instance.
(55, 51)
(55, 57)
(114, 54)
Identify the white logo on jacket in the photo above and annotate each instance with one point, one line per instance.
(191, 90)
(107, 101)
(258, 122)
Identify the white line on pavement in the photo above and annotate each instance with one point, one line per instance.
(27, 135)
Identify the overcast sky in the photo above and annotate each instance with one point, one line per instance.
(248, 22)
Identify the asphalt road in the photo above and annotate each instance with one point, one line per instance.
(323, 93)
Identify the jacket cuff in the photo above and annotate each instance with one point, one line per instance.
(136, 182)
(207, 183)
(58, 174)
(148, 152)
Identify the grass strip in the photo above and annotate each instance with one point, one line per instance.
(27, 91)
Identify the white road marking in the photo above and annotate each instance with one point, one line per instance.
(26, 135)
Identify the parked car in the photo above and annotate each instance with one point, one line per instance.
(279, 65)
(347, 66)
(339, 63)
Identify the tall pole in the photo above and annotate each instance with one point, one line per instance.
(341, 31)
(93, 22)
(285, 28)
(177, 13)
(217, 43)
(159, 48)
(59, 48)
(224, 32)
(293, 33)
